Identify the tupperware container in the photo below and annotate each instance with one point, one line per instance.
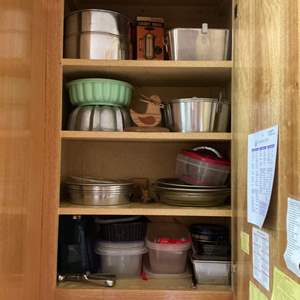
(168, 246)
(123, 259)
(212, 272)
(196, 167)
(122, 230)
(210, 241)
(150, 274)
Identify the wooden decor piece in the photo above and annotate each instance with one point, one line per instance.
(152, 116)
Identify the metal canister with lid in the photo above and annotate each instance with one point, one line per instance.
(97, 34)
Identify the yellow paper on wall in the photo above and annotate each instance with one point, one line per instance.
(284, 288)
(255, 293)
(244, 242)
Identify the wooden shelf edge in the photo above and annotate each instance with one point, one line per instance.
(68, 62)
(145, 136)
(151, 209)
(136, 294)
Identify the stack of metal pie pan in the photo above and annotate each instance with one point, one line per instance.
(172, 191)
(98, 192)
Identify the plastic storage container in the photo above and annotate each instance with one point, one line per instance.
(168, 246)
(122, 229)
(123, 259)
(212, 272)
(198, 168)
(210, 240)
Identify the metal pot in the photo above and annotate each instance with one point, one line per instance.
(97, 34)
(99, 118)
(191, 114)
(199, 43)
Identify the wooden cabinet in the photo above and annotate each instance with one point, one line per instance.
(261, 79)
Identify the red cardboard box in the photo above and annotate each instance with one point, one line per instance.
(149, 38)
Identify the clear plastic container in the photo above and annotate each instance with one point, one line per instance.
(168, 246)
(150, 274)
(197, 169)
(212, 272)
(123, 259)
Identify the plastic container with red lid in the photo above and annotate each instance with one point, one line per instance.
(202, 166)
(168, 245)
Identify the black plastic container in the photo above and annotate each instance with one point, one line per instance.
(128, 229)
(210, 241)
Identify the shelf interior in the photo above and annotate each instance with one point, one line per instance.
(153, 73)
(137, 159)
(178, 13)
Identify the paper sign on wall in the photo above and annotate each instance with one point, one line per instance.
(262, 151)
(284, 288)
(260, 257)
(244, 238)
(292, 252)
(255, 293)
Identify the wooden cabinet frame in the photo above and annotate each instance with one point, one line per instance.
(265, 91)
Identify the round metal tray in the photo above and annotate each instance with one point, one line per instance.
(177, 183)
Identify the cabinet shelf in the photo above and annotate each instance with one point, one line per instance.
(147, 209)
(147, 289)
(151, 73)
(145, 136)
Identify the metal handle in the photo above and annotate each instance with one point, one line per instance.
(106, 280)
(168, 116)
(219, 105)
(204, 28)
(214, 151)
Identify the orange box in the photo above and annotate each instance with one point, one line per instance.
(149, 38)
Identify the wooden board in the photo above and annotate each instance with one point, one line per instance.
(145, 136)
(149, 209)
(172, 73)
(22, 140)
(113, 159)
(266, 92)
(127, 289)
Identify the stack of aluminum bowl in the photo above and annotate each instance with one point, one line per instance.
(98, 192)
(97, 34)
(172, 191)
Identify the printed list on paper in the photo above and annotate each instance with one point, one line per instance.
(292, 252)
(262, 152)
(260, 257)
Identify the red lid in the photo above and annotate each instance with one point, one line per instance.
(166, 240)
(206, 158)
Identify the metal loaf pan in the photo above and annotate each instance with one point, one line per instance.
(199, 43)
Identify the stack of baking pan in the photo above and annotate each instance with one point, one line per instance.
(172, 191)
(93, 191)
